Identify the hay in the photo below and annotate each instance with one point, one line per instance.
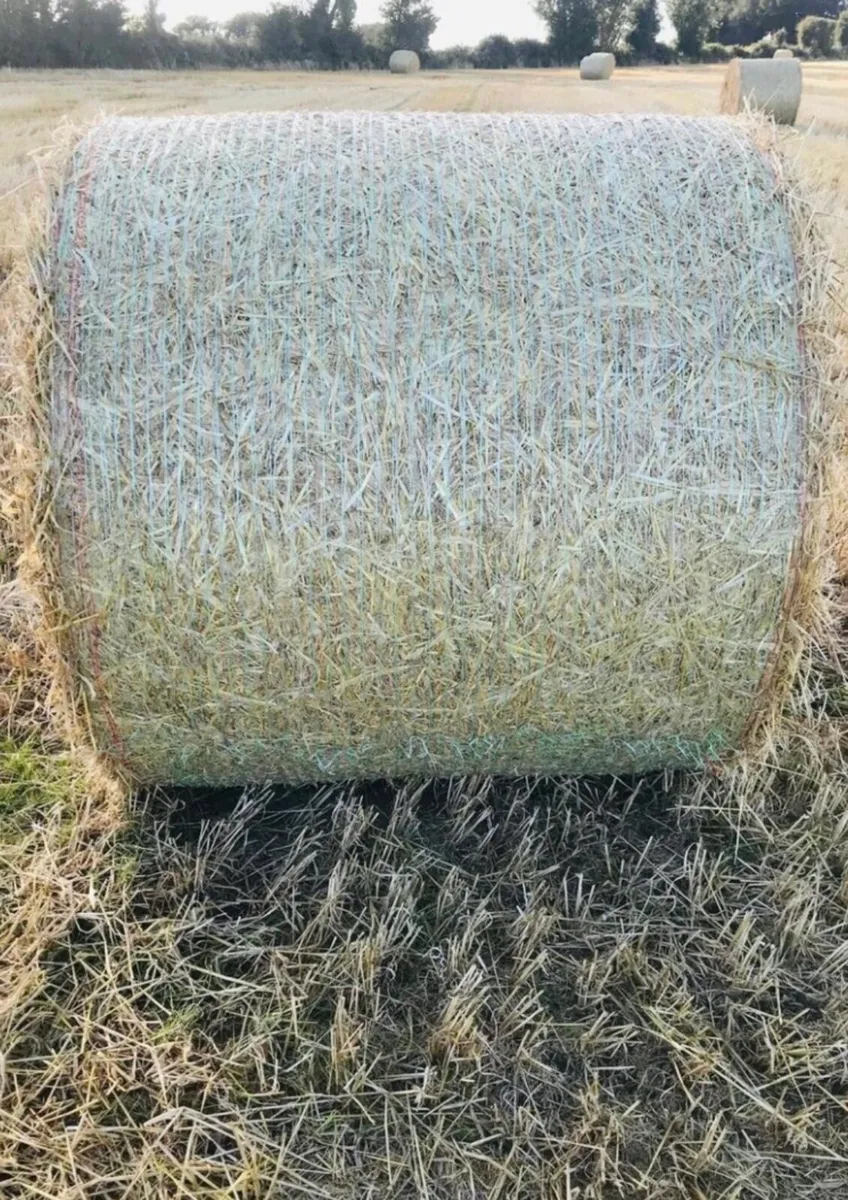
(387, 444)
(404, 62)
(782, 52)
(597, 66)
(771, 86)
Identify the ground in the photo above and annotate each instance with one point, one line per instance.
(567, 990)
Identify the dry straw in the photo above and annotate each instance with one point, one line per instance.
(404, 62)
(38, 689)
(385, 444)
(597, 66)
(771, 86)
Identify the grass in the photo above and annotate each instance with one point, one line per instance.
(566, 990)
(481, 989)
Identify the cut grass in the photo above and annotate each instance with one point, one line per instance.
(475, 989)
(30, 781)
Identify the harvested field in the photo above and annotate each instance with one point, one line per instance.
(594, 989)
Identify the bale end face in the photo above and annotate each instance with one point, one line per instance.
(597, 66)
(404, 62)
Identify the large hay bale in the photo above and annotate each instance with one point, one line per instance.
(404, 62)
(783, 52)
(597, 66)
(372, 457)
(771, 86)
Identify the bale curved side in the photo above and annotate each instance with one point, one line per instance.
(372, 458)
(771, 86)
(783, 52)
(597, 66)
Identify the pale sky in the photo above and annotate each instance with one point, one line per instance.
(467, 22)
(460, 21)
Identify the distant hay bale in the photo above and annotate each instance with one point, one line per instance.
(404, 62)
(597, 66)
(771, 86)
(782, 52)
(372, 458)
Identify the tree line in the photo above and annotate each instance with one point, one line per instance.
(326, 34)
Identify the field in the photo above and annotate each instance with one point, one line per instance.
(569, 990)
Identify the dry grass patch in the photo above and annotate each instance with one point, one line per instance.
(477, 989)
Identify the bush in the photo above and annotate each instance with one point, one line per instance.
(495, 53)
(715, 52)
(532, 53)
(761, 49)
(453, 58)
(840, 34)
(816, 36)
(664, 54)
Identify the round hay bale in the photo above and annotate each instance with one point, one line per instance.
(783, 52)
(597, 66)
(771, 86)
(404, 62)
(371, 458)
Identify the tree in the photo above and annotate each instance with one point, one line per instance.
(148, 44)
(327, 34)
(613, 18)
(24, 41)
(152, 19)
(644, 29)
(196, 27)
(409, 24)
(278, 34)
(816, 35)
(572, 27)
(373, 34)
(90, 33)
(244, 26)
(345, 15)
(691, 19)
(530, 52)
(495, 53)
(840, 37)
(744, 21)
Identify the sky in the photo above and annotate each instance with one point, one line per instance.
(460, 21)
(466, 22)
